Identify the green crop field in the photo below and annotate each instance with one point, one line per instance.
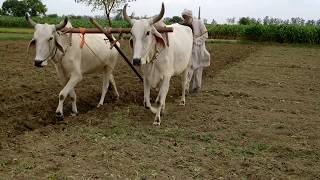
(271, 33)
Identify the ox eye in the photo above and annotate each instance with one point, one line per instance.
(50, 38)
(148, 33)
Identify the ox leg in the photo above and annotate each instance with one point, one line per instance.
(189, 79)
(157, 101)
(146, 101)
(146, 92)
(162, 96)
(184, 88)
(113, 83)
(105, 86)
(73, 97)
(73, 81)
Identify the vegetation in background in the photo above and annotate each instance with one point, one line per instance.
(284, 33)
(109, 6)
(20, 22)
(20, 8)
(174, 19)
(295, 30)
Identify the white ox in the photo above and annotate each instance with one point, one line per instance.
(158, 59)
(71, 61)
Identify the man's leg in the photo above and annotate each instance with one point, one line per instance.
(197, 80)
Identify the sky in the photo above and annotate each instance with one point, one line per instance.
(219, 10)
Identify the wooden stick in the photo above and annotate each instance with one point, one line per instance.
(112, 30)
(104, 31)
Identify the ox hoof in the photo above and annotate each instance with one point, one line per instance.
(146, 105)
(74, 114)
(99, 105)
(182, 103)
(156, 123)
(59, 116)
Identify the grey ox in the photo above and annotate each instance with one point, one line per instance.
(71, 61)
(160, 58)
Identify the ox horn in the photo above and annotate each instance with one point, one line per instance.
(31, 22)
(62, 24)
(160, 16)
(125, 15)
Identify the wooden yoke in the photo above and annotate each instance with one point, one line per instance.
(108, 32)
(111, 30)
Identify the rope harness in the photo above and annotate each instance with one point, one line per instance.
(156, 54)
(83, 42)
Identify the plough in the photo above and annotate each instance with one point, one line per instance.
(108, 32)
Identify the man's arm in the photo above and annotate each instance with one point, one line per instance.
(204, 34)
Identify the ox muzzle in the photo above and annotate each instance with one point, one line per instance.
(40, 63)
(136, 61)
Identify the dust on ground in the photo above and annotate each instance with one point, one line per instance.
(256, 118)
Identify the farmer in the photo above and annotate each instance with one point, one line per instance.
(200, 56)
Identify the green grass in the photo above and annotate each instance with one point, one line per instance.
(15, 36)
(17, 30)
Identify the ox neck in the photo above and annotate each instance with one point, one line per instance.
(155, 53)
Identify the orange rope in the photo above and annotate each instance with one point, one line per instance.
(83, 32)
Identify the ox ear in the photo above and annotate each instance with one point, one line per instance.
(158, 37)
(31, 43)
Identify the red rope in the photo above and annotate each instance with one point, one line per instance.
(83, 32)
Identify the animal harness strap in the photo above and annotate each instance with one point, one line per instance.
(82, 32)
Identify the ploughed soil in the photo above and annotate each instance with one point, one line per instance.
(257, 117)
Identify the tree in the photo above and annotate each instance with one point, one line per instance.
(214, 22)
(20, 8)
(175, 19)
(311, 22)
(14, 8)
(53, 15)
(35, 7)
(245, 21)
(231, 20)
(109, 6)
(297, 21)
